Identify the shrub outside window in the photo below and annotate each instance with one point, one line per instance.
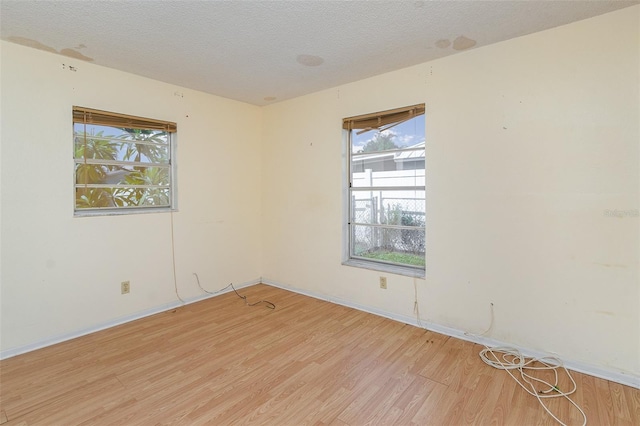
(386, 191)
(123, 164)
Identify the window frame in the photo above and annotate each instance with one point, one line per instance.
(89, 116)
(383, 119)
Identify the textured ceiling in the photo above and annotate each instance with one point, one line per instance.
(262, 52)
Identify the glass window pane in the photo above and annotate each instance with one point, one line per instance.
(119, 144)
(405, 208)
(370, 178)
(403, 135)
(112, 197)
(394, 157)
(401, 246)
(143, 152)
(98, 146)
(121, 175)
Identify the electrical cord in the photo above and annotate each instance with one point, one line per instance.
(173, 261)
(512, 359)
(175, 280)
(416, 305)
(246, 302)
(484, 333)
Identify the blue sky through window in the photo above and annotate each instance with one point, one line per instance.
(409, 133)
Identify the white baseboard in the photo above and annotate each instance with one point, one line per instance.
(118, 321)
(617, 376)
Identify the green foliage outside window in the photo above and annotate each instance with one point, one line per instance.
(121, 167)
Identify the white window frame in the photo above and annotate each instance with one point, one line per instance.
(349, 259)
(118, 120)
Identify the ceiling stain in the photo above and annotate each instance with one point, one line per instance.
(269, 98)
(35, 44)
(31, 43)
(443, 43)
(309, 60)
(75, 54)
(463, 43)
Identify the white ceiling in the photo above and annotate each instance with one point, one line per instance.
(262, 52)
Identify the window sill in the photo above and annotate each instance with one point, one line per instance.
(121, 211)
(383, 267)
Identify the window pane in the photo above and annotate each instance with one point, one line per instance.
(388, 158)
(401, 246)
(403, 208)
(94, 146)
(111, 197)
(370, 178)
(121, 175)
(143, 152)
(115, 144)
(403, 135)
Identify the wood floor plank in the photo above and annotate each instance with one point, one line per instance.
(620, 410)
(632, 397)
(308, 362)
(589, 401)
(479, 407)
(413, 398)
(430, 406)
(501, 408)
(605, 403)
(78, 403)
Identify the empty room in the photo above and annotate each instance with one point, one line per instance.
(319, 212)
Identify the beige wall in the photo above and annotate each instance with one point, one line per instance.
(62, 274)
(529, 141)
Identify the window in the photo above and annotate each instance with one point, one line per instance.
(123, 164)
(386, 191)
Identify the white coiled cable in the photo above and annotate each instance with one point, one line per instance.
(509, 359)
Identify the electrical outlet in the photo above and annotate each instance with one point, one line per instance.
(383, 282)
(125, 287)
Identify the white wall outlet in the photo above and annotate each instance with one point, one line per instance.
(383, 282)
(125, 287)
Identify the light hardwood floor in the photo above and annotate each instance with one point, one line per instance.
(308, 362)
